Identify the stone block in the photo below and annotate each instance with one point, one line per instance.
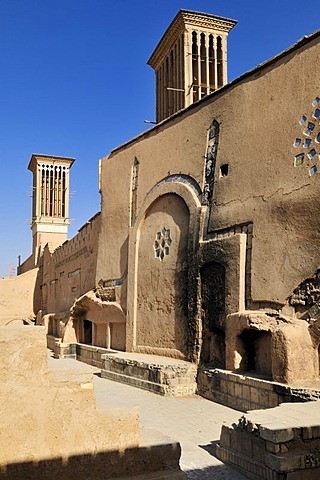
(316, 431)
(245, 444)
(273, 400)
(272, 447)
(246, 392)
(224, 386)
(85, 353)
(263, 398)
(231, 388)
(276, 433)
(225, 437)
(258, 449)
(284, 448)
(284, 463)
(254, 395)
(306, 433)
(235, 440)
(238, 390)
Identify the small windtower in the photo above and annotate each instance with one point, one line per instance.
(50, 201)
(190, 60)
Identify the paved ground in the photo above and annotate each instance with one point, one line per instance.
(193, 421)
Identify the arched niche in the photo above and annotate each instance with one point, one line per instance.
(162, 304)
(161, 244)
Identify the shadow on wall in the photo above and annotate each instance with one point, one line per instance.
(101, 465)
(213, 293)
(37, 301)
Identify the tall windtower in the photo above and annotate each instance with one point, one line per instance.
(190, 60)
(50, 201)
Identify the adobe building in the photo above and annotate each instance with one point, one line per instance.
(206, 252)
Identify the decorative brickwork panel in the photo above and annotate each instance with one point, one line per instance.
(211, 157)
(306, 297)
(106, 294)
(307, 143)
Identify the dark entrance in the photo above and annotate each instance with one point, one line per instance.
(87, 332)
(213, 314)
(255, 348)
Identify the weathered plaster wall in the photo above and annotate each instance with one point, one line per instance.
(259, 122)
(18, 297)
(69, 271)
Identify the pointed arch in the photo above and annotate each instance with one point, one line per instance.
(169, 215)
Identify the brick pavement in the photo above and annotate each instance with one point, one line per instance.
(193, 421)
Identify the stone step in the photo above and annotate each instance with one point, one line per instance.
(161, 375)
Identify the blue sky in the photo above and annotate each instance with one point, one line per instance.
(74, 82)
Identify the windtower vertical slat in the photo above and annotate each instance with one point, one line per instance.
(189, 62)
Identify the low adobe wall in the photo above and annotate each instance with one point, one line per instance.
(54, 418)
(50, 427)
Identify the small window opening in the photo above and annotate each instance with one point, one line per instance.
(219, 62)
(312, 153)
(298, 161)
(303, 120)
(203, 64)
(318, 138)
(316, 113)
(224, 170)
(297, 142)
(309, 128)
(211, 64)
(195, 69)
(307, 143)
(316, 101)
(87, 332)
(313, 170)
